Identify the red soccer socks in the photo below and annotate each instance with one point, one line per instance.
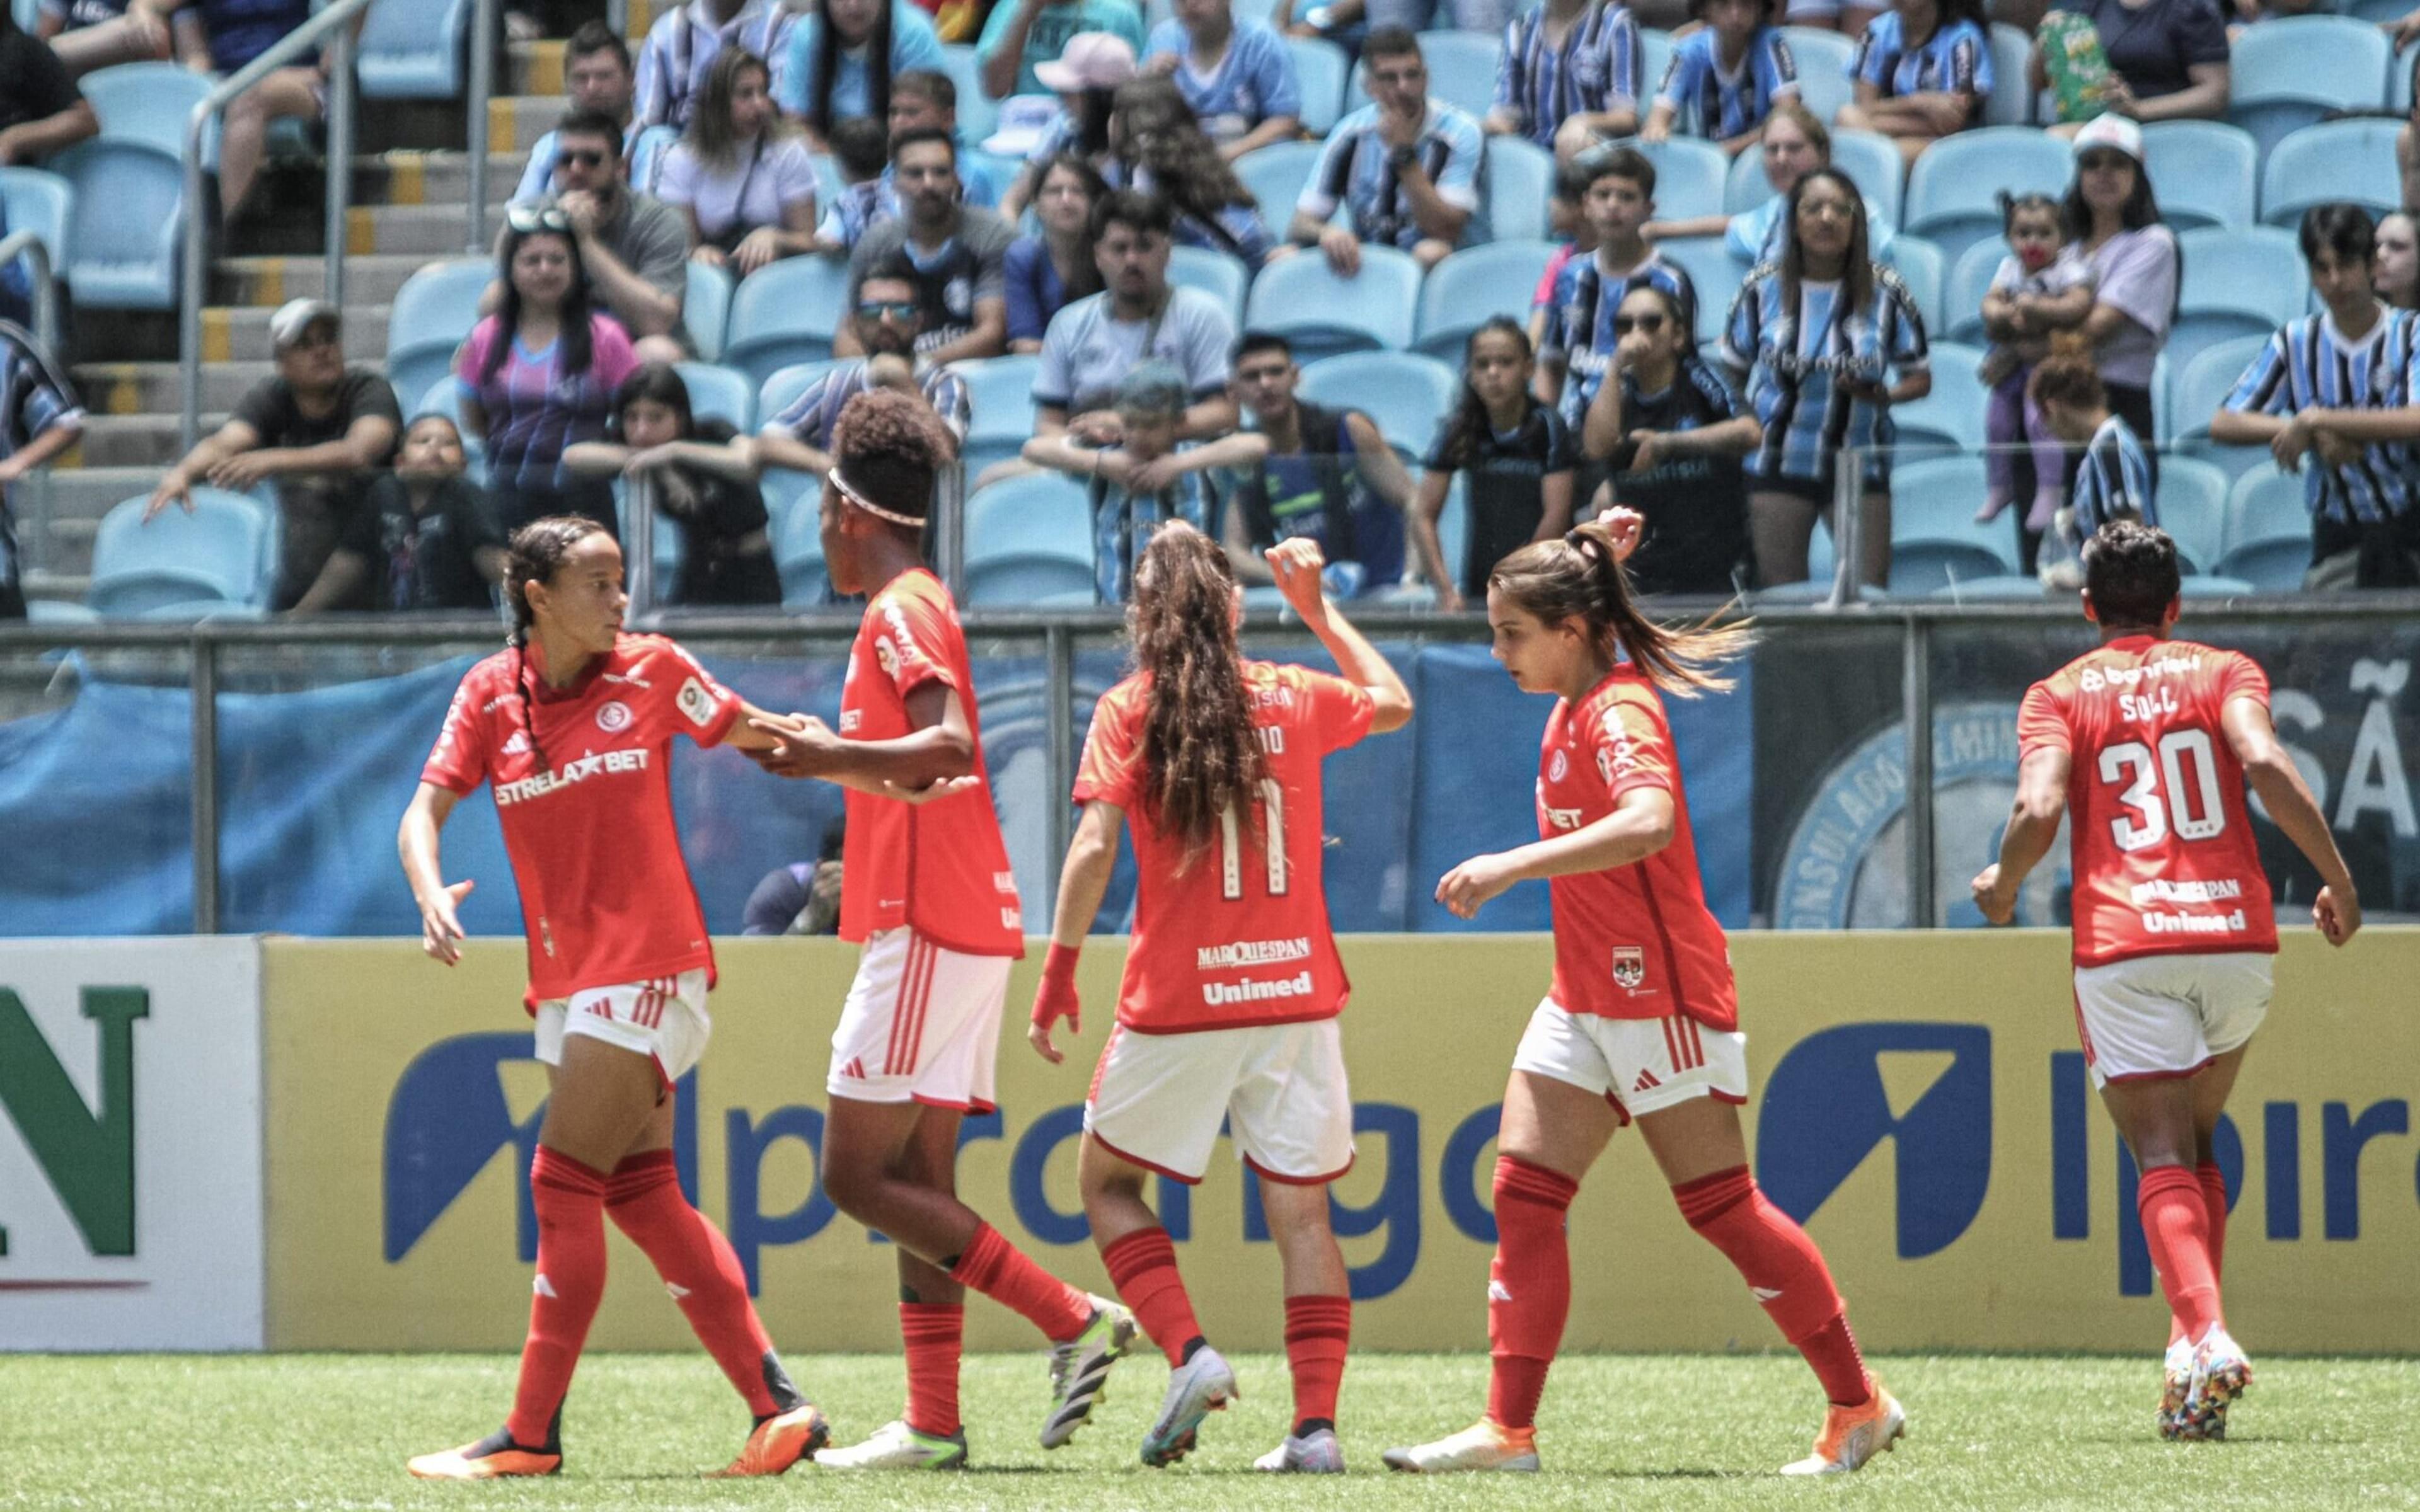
(700, 1270)
(1785, 1269)
(570, 1202)
(1529, 1287)
(935, 1334)
(1317, 1332)
(2175, 1226)
(1007, 1275)
(1142, 1266)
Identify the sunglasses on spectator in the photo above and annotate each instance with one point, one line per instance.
(579, 158)
(1624, 324)
(887, 310)
(2106, 159)
(525, 219)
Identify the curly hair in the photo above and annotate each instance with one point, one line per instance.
(1199, 755)
(890, 447)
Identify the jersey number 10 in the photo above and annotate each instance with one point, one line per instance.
(1230, 845)
(2198, 812)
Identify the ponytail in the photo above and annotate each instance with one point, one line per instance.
(1201, 757)
(1580, 578)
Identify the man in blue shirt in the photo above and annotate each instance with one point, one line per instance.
(1405, 165)
(1238, 78)
(597, 76)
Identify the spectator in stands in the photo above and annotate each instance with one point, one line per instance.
(1923, 69)
(1819, 333)
(2167, 59)
(861, 151)
(2110, 210)
(1724, 77)
(1569, 76)
(741, 172)
(1567, 222)
(1138, 317)
(956, 252)
(99, 34)
(1086, 79)
(1672, 432)
(1048, 272)
(1795, 143)
(879, 39)
(1405, 165)
(1140, 480)
(803, 898)
(2398, 262)
(1022, 36)
(425, 541)
(539, 376)
(1520, 458)
(888, 319)
(595, 80)
(220, 37)
(1849, 18)
(1578, 349)
(314, 428)
(2333, 389)
(42, 110)
(2113, 480)
(682, 44)
(702, 481)
(2042, 288)
(1237, 77)
(1163, 150)
(40, 419)
(927, 99)
(633, 246)
(1329, 474)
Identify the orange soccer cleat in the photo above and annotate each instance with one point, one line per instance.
(492, 1458)
(1854, 1435)
(780, 1442)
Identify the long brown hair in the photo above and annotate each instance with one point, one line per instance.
(1579, 577)
(1858, 269)
(534, 555)
(712, 134)
(1200, 756)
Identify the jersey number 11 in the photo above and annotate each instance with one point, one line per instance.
(1272, 836)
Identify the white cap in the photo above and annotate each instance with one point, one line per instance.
(296, 317)
(2111, 131)
(1023, 118)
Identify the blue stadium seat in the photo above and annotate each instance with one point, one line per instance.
(1404, 392)
(720, 394)
(647, 156)
(1029, 542)
(1920, 265)
(1275, 174)
(2351, 160)
(1689, 175)
(434, 310)
(1935, 498)
(1321, 67)
(219, 554)
(1953, 189)
(2010, 103)
(1322, 313)
(2291, 73)
(1516, 179)
(125, 225)
(2379, 9)
(2237, 284)
(2191, 502)
(783, 312)
(706, 309)
(776, 393)
(798, 539)
(1745, 187)
(39, 201)
(2203, 173)
(2203, 384)
(1656, 48)
(1952, 413)
(413, 50)
(1473, 286)
(1000, 394)
(1713, 272)
(148, 102)
(1823, 58)
(2267, 530)
(1961, 298)
(1220, 274)
(977, 113)
(2399, 75)
(1462, 70)
(1874, 164)
(1924, 566)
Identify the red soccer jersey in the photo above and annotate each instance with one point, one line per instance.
(1636, 941)
(939, 867)
(1237, 937)
(606, 897)
(2160, 838)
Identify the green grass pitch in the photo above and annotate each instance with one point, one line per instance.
(1618, 1431)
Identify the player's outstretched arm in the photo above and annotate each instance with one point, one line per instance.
(441, 928)
(939, 749)
(1091, 857)
(2273, 776)
(2033, 825)
(1297, 564)
(1640, 824)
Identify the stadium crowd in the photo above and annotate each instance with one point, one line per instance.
(741, 136)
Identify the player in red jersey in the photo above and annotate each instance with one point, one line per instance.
(573, 726)
(1227, 1010)
(1641, 1023)
(926, 890)
(2150, 740)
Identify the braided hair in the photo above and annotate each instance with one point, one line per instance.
(1579, 577)
(1201, 757)
(535, 554)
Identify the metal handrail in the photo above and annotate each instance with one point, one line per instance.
(46, 285)
(338, 19)
(483, 42)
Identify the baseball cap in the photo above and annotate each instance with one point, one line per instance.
(296, 317)
(1023, 119)
(2118, 131)
(1091, 60)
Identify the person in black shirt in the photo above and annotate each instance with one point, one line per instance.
(40, 418)
(42, 110)
(702, 484)
(427, 540)
(1328, 475)
(1672, 430)
(1519, 458)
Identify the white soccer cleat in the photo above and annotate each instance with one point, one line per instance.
(1483, 1446)
(1079, 1370)
(2176, 1389)
(1854, 1435)
(2219, 1374)
(1316, 1453)
(1198, 1387)
(897, 1446)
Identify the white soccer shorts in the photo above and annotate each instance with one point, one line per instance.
(920, 1025)
(2168, 1015)
(1157, 1101)
(1638, 1065)
(663, 1018)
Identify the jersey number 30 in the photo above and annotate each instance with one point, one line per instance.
(1230, 848)
(2198, 813)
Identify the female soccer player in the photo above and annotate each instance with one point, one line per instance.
(1641, 1023)
(1228, 1008)
(573, 724)
(2150, 740)
(925, 888)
